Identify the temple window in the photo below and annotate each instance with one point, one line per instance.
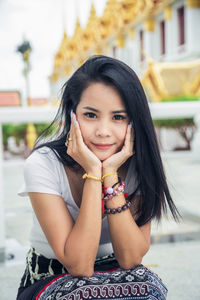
(181, 25)
(141, 33)
(162, 37)
(114, 51)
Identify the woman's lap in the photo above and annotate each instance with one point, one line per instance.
(108, 282)
(137, 283)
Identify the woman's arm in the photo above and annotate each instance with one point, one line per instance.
(130, 242)
(74, 244)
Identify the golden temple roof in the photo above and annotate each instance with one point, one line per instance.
(117, 21)
(164, 80)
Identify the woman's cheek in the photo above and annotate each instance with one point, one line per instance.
(123, 134)
(122, 140)
(84, 131)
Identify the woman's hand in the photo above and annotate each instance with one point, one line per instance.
(113, 163)
(80, 152)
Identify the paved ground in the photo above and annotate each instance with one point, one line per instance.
(175, 250)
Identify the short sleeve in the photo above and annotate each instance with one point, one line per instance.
(41, 173)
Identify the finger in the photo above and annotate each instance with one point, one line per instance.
(79, 138)
(70, 139)
(128, 144)
(132, 136)
(73, 133)
(128, 136)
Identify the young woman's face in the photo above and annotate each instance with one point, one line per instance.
(103, 120)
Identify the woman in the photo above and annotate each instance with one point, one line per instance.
(94, 188)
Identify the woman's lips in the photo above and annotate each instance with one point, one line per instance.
(102, 146)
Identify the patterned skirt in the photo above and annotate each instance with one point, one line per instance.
(47, 279)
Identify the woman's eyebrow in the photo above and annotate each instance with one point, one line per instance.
(113, 112)
(91, 108)
(119, 111)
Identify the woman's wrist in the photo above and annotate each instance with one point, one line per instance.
(94, 172)
(108, 171)
(109, 177)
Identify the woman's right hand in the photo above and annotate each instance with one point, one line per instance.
(78, 150)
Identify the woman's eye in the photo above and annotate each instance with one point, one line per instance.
(119, 117)
(90, 115)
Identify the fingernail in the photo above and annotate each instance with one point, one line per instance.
(74, 119)
(71, 113)
(131, 125)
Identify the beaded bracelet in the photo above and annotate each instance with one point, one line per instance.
(114, 185)
(111, 192)
(113, 211)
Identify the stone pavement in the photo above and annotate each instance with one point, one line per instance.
(175, 250)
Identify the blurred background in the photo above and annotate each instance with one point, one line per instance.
(41, 44)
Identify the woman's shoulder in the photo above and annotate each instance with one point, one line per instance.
(42, 173)
(43, 155)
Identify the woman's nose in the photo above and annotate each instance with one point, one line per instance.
(103, 129)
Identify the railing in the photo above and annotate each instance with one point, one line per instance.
(18, 115)
(46, 114)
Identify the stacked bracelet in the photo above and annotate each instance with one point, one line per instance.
(113, 211)
(104, 189)
(111, 192)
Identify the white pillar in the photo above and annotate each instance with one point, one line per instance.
(169, 38)
(149, 37)
(192, 27)
(2, 227)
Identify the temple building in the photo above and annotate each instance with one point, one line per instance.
(159, 39)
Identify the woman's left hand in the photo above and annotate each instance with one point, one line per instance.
(113, 163)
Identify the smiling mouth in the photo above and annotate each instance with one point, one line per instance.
(102, 146)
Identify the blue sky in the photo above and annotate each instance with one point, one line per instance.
(42, 22)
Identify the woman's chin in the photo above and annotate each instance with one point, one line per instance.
(103, 156)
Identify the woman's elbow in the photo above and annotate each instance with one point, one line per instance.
(129, 261)
(130, 264)
(80, 271)
(78, 268)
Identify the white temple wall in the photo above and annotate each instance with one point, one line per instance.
(157, 45)
(169, 38)
(124, 54)
(137, 61)
(149, 38)
(192, 27)
(130, 48)
(119, 53)
(55, 89)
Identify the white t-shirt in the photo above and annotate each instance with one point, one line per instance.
(44, 173)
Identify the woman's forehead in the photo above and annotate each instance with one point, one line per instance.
(100, 95)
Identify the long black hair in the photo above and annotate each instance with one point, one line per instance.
(155, 195)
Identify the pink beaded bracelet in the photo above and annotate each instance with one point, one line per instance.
(111, 192)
